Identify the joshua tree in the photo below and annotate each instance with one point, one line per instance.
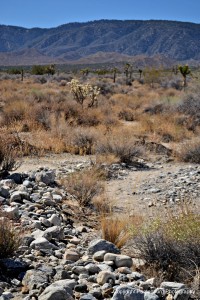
(140, 72)
(128, 70)
(115, 71)
(22, 74)
(184, 70)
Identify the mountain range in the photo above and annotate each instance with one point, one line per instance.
(103, 40)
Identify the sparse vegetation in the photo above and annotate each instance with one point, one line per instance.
(84, 186)
(171, 245)
(9, 238)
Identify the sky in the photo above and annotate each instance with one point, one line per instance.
(52, 13)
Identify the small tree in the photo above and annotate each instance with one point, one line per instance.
(185, 71)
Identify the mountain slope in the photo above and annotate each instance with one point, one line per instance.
(73, 41)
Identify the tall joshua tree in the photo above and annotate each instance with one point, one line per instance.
(184, 70)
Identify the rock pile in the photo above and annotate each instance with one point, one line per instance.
(55, 260)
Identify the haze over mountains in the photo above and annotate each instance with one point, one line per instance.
(100, 41)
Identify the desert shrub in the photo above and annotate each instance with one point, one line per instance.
(41, 70)
(89, 118)
(189, 151)
(82, 141)
(15, 71)
(171, 245)
(8, 157)
(9, 238)
(84, 186)
(190, 103)
(122, 146)
(14, 110)
(105, 87)
(126, 115)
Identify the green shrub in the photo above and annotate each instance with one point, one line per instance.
(172, 246)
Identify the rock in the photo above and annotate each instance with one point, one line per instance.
(150, 296)
(42, 243)
(66, 283)
(92, 268)
(14, 267)
(119, 260)
(18, 196)
(88, 297)
(56, 232)
(55, 293)
(105, 277)
(79, 270)
(81, 288)
(4, 192)
(55, 220)
(124, 270)
(47, 177)
(99, 255)
(71, 255)
(6, 296)
(8, 183)
(128, 293)
(34, 279)
(12, 212)
(182, 294)
(172, 286)
(16, 177)
(136, 276)
(99, 245)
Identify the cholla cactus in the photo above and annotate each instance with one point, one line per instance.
(81, 92)
(93, 92)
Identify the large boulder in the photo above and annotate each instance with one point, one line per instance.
(47, 177)
(42, 243)
(34, 279)
(61, 289)
(100, 244)
(55, 293)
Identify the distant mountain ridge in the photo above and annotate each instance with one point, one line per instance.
(75, 41)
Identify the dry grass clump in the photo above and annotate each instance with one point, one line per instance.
(172, 245)
(115, 230)
(84, 186)
(9, 238)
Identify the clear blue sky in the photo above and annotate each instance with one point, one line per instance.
(51, 13)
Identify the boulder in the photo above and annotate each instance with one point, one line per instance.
(105, 277)
(42, 243)
(128, 293)
(47, 177)
(71, 255)
(100, 244)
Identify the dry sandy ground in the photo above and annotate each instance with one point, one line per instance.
(122, 193)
